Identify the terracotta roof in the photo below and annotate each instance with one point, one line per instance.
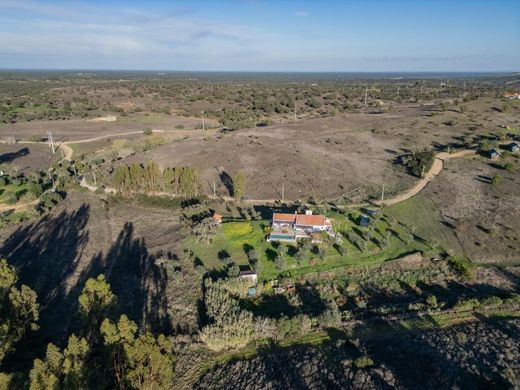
(280, 217)
(312, 220)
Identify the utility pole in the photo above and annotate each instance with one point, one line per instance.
(51, 143)
(214, 189)
(383, 194)
(366, 95)
(95, 181)
(422, 86)
(295, 108)
(203, 124)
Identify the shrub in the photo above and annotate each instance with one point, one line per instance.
(419, 163)
(431, 301)
(363, 362)
(179, 127)
(460, 266)
(496, 180)
(147, 131)
(461, 337)
(510, 166)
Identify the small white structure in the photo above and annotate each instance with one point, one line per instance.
(249, 274)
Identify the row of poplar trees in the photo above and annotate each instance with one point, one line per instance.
(182, 181)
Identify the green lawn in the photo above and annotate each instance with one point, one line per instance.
(233, 236)
(9, 194)
(421, 212)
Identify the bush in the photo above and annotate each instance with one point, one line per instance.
(179, 127)
(431, 301)
(496, 180)
(419, 163)
(363, 362)
(460, 266)
(510, 166)
(35, 189)
(147, 131)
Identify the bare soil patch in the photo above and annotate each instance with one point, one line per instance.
(27, 158)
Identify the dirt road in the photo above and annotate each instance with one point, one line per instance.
(438, 165)
(5, 207)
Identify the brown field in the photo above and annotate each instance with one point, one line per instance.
(26, 158)
(77, 129)
(329, 157)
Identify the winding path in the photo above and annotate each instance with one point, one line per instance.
(436, 169)
(437, 166)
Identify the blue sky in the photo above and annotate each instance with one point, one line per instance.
(262, 35)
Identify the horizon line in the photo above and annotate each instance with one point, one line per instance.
(248, 71)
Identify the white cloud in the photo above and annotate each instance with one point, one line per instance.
(301, 13)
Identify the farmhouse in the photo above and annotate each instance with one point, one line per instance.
(511, 95)
(290, 227)
(513, 147)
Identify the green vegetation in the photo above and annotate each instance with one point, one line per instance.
(239, 185)
(18, 309)
(112, 355)
(363, 362)
(137, 178)
(421, 214)
(419, 162)
(355, 246)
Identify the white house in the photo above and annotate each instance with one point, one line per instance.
(289, 227)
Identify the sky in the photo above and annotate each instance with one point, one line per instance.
(261, 35)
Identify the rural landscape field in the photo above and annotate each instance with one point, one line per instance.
(248, 229)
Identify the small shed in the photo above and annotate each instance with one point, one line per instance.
(492, 154)
(249, 274)
(513, 147)
(278, 290)
(364, 220)
(217, 218)
(368, 211)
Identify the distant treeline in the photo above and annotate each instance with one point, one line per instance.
(182, 181)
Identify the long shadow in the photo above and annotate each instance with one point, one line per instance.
(312, 303)
(46, 255)
(227, 181)
(418, 359)
(11, 156)
(138, 282)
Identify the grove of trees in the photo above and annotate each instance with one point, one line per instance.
(137, 178)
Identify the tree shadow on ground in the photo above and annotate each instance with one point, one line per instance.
(138, 282)
(227, 181)
(47, 256)
(312, 303)
(11, 156)
(416, 361)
